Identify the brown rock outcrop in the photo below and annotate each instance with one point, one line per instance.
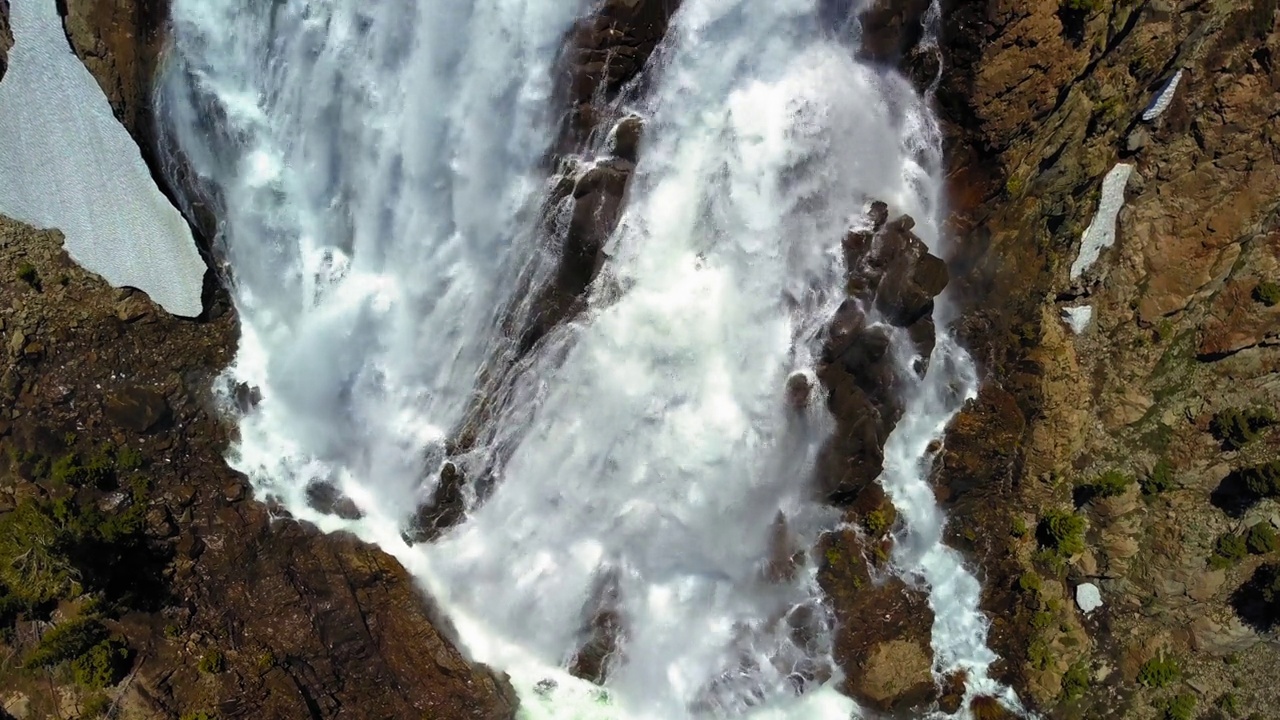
(882, 626)
(1039, 100)
(304, 624)
(121, 43)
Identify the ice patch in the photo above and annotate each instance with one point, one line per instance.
(1078, 318)
(67, 163)
(1161, 101)
(1088, 597)
(1101, 233)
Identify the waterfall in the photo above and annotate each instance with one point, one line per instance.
(378, 170)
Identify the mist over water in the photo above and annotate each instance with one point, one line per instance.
(378, 167)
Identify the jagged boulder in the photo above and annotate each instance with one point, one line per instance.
(892, 281)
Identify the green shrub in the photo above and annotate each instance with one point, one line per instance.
(1029, 582)
(1082, 5)
(1237, 428)
(1267, 293)
(102, 665)
(1112, 483)
(27, 274)
(1263, 480)
(880, 520)
(97, 470)
(1019, 528)
(55, 549)
(1014, 186)
(1182, 707)
(1229, 550)
(1159, 480)
(127, 459)
(66, 641)
(1262, 539)
(1075, 683)
(1062, 532)
(1229, 704)
(1160, 671)
(1039, 654)
(95, 705)
(199, 715)
(212, 662)
(35, 561)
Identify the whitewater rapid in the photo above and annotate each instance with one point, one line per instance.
(379, 172)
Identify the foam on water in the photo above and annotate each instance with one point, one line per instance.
(377, 168)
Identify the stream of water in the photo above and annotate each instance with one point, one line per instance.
(379, 168)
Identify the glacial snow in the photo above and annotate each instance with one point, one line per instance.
(67, 163)
(1162, 100)
(1101, 232)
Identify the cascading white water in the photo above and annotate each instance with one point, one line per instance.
(377, 163)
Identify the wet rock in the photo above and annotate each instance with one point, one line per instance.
(605, 52)
(446, 508)
(891, 275)
(626, 138)
(327, 499)
(603, 636)
(896, 674)
(883, 627)
(136, 408)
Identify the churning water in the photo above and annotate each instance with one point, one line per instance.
(379, 168)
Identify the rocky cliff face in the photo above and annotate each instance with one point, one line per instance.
(121, 44)
(1116, 426)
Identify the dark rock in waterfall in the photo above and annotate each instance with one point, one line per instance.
(891, 280)
(799, 390)
(327, 499)
(446, 509)
(626, 138)
(596, 197)
(604, 633)
(604, 52)
(890, 29)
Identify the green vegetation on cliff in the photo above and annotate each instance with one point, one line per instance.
(1237, 428)
(1062, 532)
(1267, 293)
(1160, 671)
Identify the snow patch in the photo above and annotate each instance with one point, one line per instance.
(1088, 597)
(1078, 318)
(1101, 232)
(1161, 101)
(67, 163)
